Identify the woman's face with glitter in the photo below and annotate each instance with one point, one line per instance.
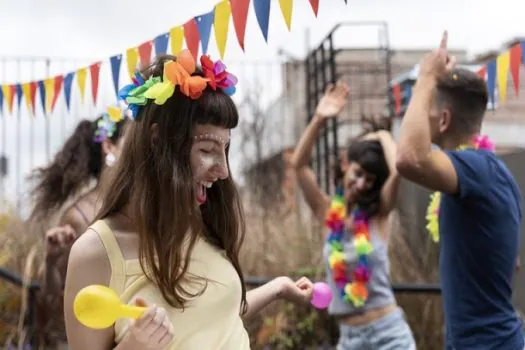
(208, 158)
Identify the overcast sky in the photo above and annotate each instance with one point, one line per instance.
(85, 31)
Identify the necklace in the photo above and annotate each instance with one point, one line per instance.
(352, 287)
(480, 142)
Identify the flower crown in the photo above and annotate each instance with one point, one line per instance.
(107, 125)
(177, 73)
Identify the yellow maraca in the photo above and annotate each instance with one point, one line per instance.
(99, 307)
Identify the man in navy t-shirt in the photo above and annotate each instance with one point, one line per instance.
(480, 209)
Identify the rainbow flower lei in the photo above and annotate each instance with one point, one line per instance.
(352, 287)
(479, 142)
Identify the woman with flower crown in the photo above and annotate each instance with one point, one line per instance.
(171, 225)
(356, 246)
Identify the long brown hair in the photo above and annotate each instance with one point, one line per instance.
(154, 178)
(73, 167)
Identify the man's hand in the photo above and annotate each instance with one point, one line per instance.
(59, 239)
(437, 63)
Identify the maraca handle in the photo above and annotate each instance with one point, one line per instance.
(131, 311)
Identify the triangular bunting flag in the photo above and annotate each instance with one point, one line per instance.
(2, 101)
(145, 53)
(482, 72)
(262, 13)
(286, 9)
(161, 44)
(9, 95)
(491, 82)
(176, 39)
(221, 25)
(26, 90)
(115, 62)
(42, 91)
(81, 80)
(407, 92)
(59, 79)
(240, 15)
(204, 23)
(49, 85)
(315, 6)
(132, 58)
(503, 62)
(396, 92)
(515, 60)
(94, 69)
(19, 94)
(191, 33)
(68, 81)
(32, 93)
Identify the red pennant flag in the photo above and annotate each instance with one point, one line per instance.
(482, 72)
(315, 6)
(11, 97)
(145, 53)
(191, 33)
(396, 91)
(240, 15)
(515, 60)
(94, 70)
(32, 92)
(59, 79)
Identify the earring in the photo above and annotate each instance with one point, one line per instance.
(110, 159)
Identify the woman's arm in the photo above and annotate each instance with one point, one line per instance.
(329, 106)
(278, 288)
(390, 188)
(88, 264)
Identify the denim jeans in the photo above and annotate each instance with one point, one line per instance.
(390, 332)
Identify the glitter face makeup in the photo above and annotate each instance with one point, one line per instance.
(208, 158)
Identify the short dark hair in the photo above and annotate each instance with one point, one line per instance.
(465, 94)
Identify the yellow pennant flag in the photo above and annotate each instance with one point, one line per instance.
(223, 13)
(8, 98)
(26, 90)
(502, 63)
(286, 9)
(132, 59)
(176, 39)
(49, 87)
(81, 80)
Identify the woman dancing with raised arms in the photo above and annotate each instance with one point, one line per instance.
(356, 248)
(171, 225)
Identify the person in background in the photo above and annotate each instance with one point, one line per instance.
(363, 303)
(86, 156)
(476, 210)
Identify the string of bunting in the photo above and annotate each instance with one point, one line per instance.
(496, 73)
(195, 31)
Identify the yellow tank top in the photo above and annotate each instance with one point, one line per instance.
(210, 321)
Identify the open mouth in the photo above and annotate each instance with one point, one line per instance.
(200, 191)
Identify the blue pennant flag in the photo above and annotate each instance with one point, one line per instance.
(19, 94)
(262, 13)
(42, 90)
(68, 80)
(204, 23)
(115, 71)
(491, 82)
(161, 44)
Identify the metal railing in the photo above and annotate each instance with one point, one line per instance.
(251, 281)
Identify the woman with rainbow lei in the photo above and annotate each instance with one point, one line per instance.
(171, 225)
(356, 219)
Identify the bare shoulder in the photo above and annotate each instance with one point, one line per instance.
(88, 253)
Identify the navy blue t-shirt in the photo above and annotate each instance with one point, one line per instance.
(479, 240)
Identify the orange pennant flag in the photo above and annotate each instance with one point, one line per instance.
(26, 90)
(315, 6)
(396, 91)
(482, 72)
(9, 96)
(49, 86)
(145, 53)
(132, 59)
(240, 15)
(286, 9)
(515, 61)
(502, 64)
(94, 70)
(176, 39)
(32, 88)
(221, 24)
(59, 79)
